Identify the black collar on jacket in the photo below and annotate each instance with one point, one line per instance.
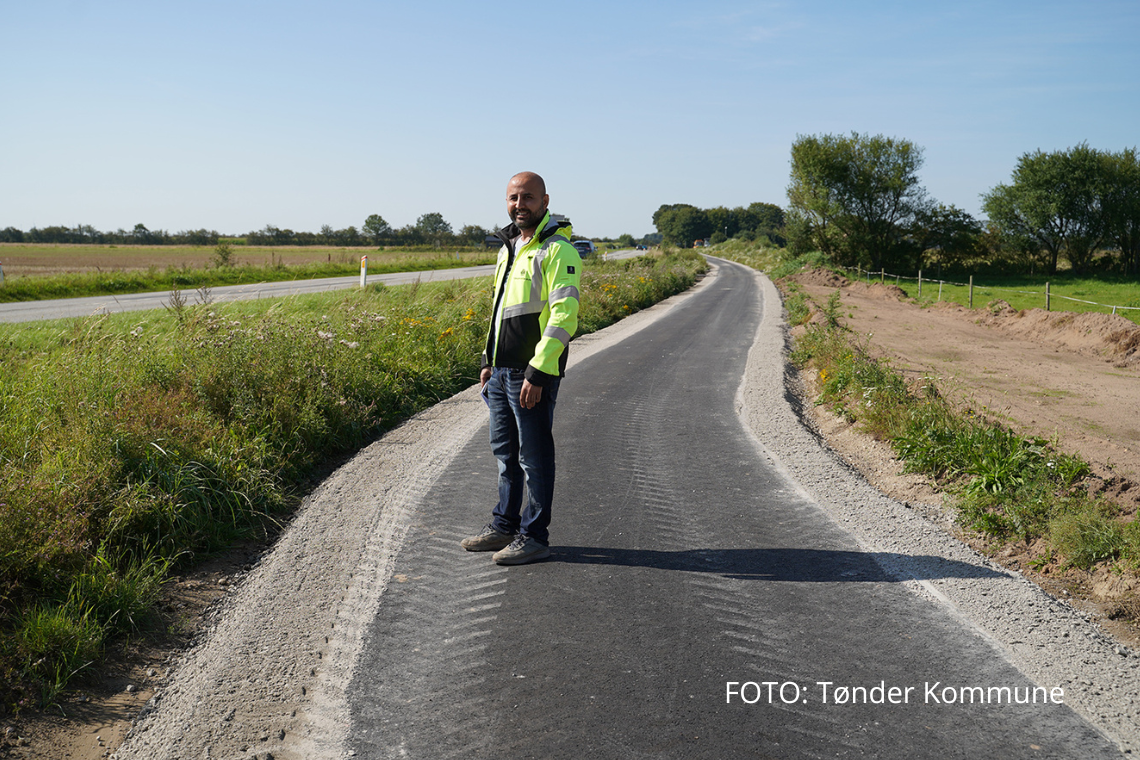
(512, 231)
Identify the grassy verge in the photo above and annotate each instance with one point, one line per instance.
(135, 444)
(221, 270)
(1004, 486)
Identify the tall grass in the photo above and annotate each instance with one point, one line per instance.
(138, 443)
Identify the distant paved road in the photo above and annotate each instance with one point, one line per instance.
(62, 308)
(27, 311)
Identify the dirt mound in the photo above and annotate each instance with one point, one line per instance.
(825, 278)
(879, 290)
(1109, 336)
(822, 278)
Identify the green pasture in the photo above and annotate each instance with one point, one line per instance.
(107, 270)
(1066, 292)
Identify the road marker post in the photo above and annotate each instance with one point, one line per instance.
(1, 272)
(363, 271)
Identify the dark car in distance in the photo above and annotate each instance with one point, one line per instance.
(585, 247)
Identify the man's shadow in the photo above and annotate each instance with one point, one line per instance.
(797, 565)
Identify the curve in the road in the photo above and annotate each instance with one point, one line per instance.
(685, 565)
(688, 555)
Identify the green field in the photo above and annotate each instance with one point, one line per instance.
(37, 272)
(1066, 292)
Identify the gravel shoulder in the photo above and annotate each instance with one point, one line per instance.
(268, 674)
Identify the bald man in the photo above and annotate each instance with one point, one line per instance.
(535, 312)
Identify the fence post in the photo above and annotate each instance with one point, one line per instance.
(920, 283)
(1, 272)
(940, 284)
(882, 276)
(363, 271)
(1046, 296)
(971, 291)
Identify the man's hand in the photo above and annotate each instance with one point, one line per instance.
(531, 395)
(484, 376)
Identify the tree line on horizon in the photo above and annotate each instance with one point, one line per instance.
(683, 224)
(858, 200)
(429, 229)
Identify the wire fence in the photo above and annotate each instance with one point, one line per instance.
(883, 275)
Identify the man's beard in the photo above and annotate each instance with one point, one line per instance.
(530, 222)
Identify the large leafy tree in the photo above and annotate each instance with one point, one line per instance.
(433, 227)
(376, 229)
(947, 234)
(856, 197)
(1057, 200)
(683, 224)
(665, 208)
(1121, 204)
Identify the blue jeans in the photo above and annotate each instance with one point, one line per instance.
(523, 442)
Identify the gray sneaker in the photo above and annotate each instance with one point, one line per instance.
(521, 551)
(490, 540)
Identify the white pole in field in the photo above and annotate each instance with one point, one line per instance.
(363, 271)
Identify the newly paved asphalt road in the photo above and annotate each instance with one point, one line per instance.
(683, 562)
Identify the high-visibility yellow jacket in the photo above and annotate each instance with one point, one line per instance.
(536, 302)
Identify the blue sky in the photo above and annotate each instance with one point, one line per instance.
(234, 115)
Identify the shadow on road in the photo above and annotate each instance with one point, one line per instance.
(797, 565)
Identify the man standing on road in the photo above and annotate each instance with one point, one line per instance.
(535, 313)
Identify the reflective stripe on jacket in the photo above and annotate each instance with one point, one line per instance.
(536, 302)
